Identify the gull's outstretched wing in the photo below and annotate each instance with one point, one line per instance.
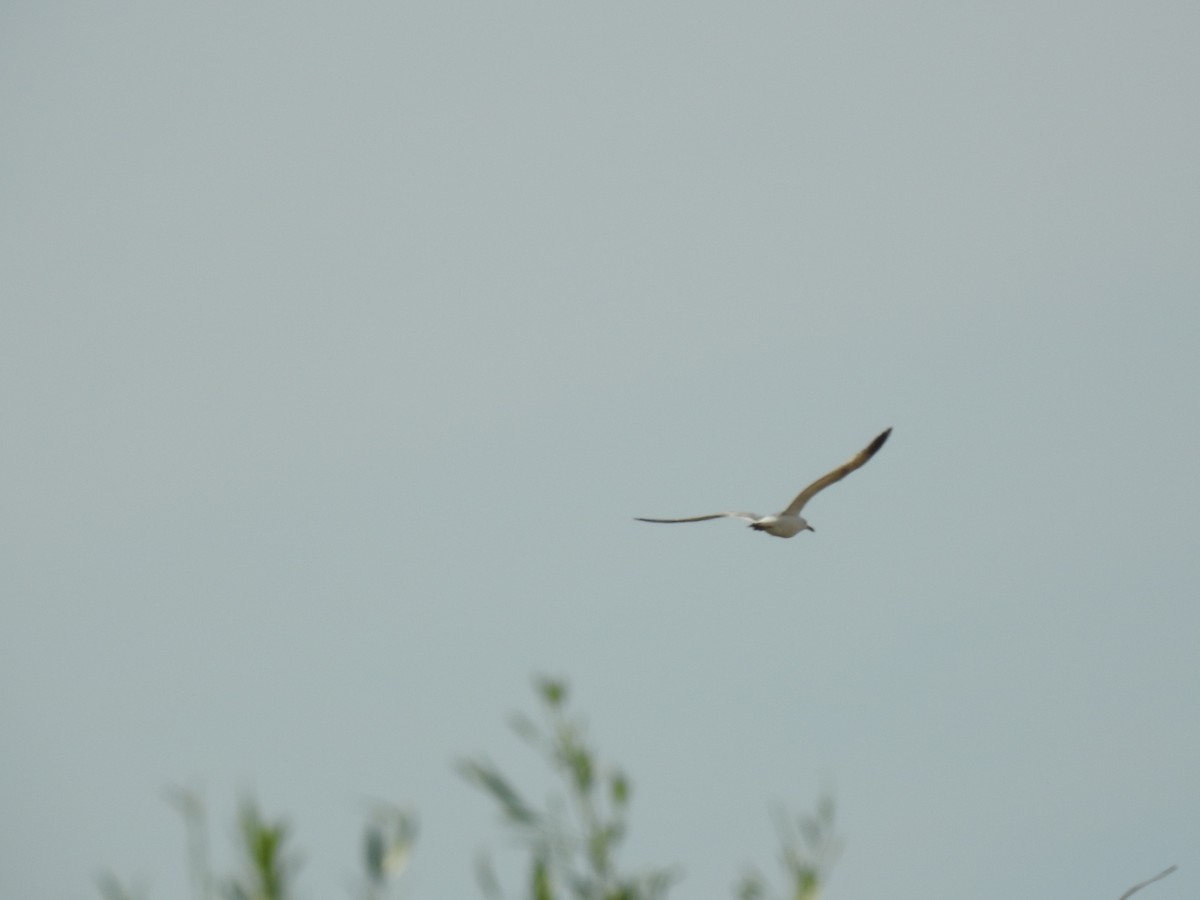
(835, 476)
(750, 517)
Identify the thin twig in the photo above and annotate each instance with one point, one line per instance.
(1137, 887)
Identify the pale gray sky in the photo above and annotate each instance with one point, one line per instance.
(341, 344)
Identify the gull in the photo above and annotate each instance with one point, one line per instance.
(789, 523)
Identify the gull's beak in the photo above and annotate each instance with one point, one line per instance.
(810, 528)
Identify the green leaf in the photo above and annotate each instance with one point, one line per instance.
(541, 885)
(598, 844)
(619, 789)
(580, 763)
(268, 868)
(553, 691)
(487, 777)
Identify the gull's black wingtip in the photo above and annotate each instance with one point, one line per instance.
(878, 442)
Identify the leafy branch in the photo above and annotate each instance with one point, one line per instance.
(573, 841)
(573, 838)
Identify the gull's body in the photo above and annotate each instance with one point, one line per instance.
(789, 523)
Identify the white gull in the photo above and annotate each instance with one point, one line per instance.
(789, 523)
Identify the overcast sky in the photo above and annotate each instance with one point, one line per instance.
(341, 343)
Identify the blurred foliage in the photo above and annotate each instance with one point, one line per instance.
(388, 841)
(810, 848)
(572, 839)
(111, 889)
(267, 869)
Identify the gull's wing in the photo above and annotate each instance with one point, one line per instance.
(751, 517)
(835, 476)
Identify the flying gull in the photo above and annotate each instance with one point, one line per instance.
(789, 523)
